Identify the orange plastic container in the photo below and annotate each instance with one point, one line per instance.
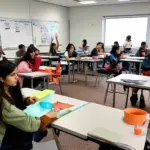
(137, 131)
(135, 116)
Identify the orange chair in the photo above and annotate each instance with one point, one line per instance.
(55, 75)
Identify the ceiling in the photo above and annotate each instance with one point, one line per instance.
(73, 3)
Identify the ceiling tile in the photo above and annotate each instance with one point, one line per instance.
(72, 3)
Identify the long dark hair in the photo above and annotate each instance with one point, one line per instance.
(114, 49)
(69, 46)
(6, 68)
(102, 45)
(141, 49)
(84, 43)
(128, 38)
(27, 56)
(34, 48)
(116, 43)
(52, 50)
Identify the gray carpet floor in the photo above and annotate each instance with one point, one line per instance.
(88, 93)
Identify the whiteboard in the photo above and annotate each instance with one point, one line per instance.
(43, 31)
(15, 32)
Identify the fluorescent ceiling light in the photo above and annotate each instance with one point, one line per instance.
(124, 0)
(87, 2)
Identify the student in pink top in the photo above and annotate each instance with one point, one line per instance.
(37, 61)
(29, 63)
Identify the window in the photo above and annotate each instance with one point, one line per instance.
(117, 29)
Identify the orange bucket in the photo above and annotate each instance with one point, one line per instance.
(135, 116)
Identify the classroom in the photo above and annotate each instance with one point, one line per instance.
(74, 74)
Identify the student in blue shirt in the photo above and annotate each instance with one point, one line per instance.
(112, 61)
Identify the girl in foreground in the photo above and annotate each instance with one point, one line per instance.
(16, 127)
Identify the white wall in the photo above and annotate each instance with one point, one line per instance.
(86, 22)
(30, 9)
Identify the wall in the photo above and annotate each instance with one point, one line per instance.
(30, 9)
(86, 22)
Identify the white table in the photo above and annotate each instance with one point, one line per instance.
(12, 57)
(33, 75)
(46, 67)
(134, 61)
(26, 92)
(137, 58)
(49, 57)
(84, 60)
(117, 80)
(80, 122)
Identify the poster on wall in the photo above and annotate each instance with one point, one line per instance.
(17, 28)
(44, 31)
(7, 25)
(48, 31)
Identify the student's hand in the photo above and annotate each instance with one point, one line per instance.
(31, 100)
(56, 36)
(52, 114)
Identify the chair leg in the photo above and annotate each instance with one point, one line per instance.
(96, 80)
(114, 95)
(126, 104)
(149, 96)
(106, 93)
(60, 87)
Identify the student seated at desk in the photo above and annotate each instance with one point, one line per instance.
(37, 51)
(112, 61)
(22, 50)
(84, 46)
(36, 59)
(70, 52)
(146, 72)
(28, 63)
(116, 43)
(54, 47)
(16, 127)
(98, 50)
(142, 52)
